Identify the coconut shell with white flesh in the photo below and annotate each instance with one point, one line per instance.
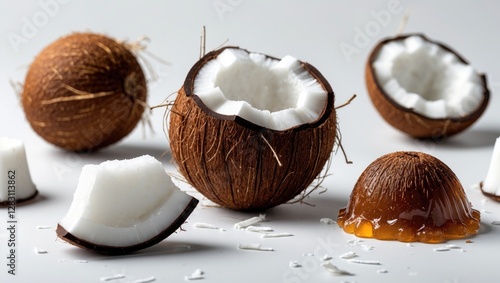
(424, 88)
(84, 91)
(122, 206)
(490, 187)
(250, 131)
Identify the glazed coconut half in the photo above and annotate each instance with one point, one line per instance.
(250, 131)
(121, 206)
(423, 87)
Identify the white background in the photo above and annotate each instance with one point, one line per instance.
(312, 31)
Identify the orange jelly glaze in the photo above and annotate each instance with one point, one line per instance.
(409, 197)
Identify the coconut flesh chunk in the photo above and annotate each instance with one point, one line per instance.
(123, 203)
(431, 80)
(271, 93)
(16, 184)
(491, 184)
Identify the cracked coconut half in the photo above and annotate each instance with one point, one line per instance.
(250, 131)
(424, 88)
(121, 206)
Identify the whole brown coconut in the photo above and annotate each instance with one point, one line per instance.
(425, 69)
(84, 91)
(409, 196)
(237, 163)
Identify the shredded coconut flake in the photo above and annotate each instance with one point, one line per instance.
(146, 280)
(295, 264)
(327, 221)
(348, 255)
(111, 278)
(326, 258)
(259, 229)
(249, 222)
(335, 270)
(205, 226)
(355, 242)
(382, 271)
(39, 251)
(441, 249)
(196, 275)
(276, 235)
(367, 247)
(255, 247)
(448, 248)
(369, 262)
(42, 227)
(80, 261)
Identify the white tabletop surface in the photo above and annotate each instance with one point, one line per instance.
(312, 31)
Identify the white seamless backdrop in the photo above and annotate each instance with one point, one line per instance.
(334, 36)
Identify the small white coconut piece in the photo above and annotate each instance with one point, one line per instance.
(250, 222)
(15, 178)
(491, 184)
(122, 206)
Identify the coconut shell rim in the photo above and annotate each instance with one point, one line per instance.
(188, 87)
(473, 115)
(120, 250)
(490, 195)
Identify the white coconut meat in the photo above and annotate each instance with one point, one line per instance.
(271, 93)
(121, 203)
(491, 183)
(431, 80)
(15, 180)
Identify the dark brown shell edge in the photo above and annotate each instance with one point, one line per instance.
(112, 250)
(406, 120)
(490, 195)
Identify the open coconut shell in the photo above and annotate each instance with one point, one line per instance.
(240, 165)
(406, 119)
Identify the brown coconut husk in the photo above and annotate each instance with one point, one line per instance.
(240, 165)
(406, 120)
(84, 91)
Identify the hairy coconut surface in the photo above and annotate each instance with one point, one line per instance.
(84, 91)
(240, 165)
(437, 93)
(409, 196)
